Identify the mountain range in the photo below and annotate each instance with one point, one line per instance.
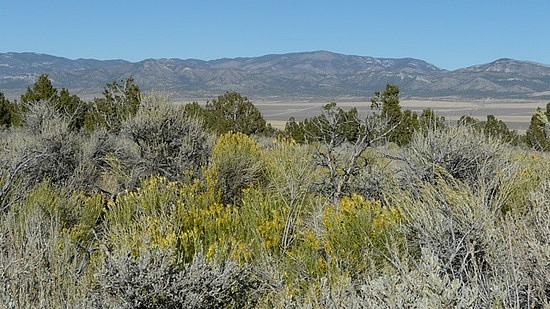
(306, 75)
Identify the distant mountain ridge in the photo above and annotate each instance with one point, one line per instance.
(319, 74)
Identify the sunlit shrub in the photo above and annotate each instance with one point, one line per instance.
(236, 164)
(145, 215)
(211, 230)
(376, 179)
(521, 265)
(173, 215)
(459, 228)
(98, 151)
(356, 232)
(416, 284)
(517, 180)
(45, 148)
(87, 212)
(264, 220)
(290, 170)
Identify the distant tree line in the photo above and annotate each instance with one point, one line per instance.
(121, 100)
(232, 112)
(404, 123)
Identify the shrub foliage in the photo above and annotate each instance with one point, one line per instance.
(130, 201)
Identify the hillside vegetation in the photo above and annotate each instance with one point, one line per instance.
(130, 201)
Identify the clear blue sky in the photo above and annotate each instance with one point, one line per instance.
(449, 34)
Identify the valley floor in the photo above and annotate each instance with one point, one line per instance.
(515, 113)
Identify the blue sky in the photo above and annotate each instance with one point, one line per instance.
(449, 34)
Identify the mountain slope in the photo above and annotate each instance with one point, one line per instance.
(296, 75)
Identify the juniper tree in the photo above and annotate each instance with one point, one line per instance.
(538, 134)
(233, 112)
(70, 106)
(8, 112)
(402, 124)
(120, 101)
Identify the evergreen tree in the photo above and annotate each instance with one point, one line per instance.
(401, 125)
(388, 101)
(333, 119)
(235, 113)
(430, 121)
(538, 134)
(194, 110)
(119, 102)
(405, 128)
(9, 115)
(295, 130)
(70, 106)
(42, 91)
(466, 120)
(497, 128)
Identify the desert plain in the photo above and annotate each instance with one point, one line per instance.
(516, 113)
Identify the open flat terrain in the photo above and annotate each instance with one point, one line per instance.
(515, 113)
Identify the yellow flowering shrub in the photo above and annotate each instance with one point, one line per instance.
(235, 165)
(356, 226)
(185, 218)
(308, 256)
(210, 229)
(263, 218)
(516, 182)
